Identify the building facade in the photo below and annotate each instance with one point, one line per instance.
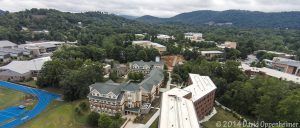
(31, 68)
(197, 37)
(120, 69)
(212, 54)
(287, 66)
(149, 44)
(125, 98)
(145, 67)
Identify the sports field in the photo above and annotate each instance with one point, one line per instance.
(10, 97)
(11, 115)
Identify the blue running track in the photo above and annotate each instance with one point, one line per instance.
(21, 116)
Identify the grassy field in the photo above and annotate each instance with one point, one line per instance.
(10, 98)
(31, 83)
(155, 123)
(58, 115)
(222, 115)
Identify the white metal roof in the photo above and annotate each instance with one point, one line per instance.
(201, 85)
(162, 36)
(211, 52)
(26, 66)
(148, 43)
(272, 72)
(5, 43)
(177, 111)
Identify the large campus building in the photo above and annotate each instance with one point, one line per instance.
(185, 107)
(197, 37)
(22, 70)
(149, 44)
(111, 98)
(145, 67)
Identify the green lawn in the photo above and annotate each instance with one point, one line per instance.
(155, 123)
(10, 98)
(31, 83)
(58, 115)
(222, 115)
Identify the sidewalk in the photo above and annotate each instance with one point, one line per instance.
(153, 118)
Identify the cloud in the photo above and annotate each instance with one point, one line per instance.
(161, 8)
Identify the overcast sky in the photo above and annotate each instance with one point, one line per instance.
(160, 8)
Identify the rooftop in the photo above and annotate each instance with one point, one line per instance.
(26, 66)
(148, 42)
(108, 86)
(272, 72)
(211, 52)
(150, 63)
(177, 111)
(192, 34)
(201, 86)
(153, 78)
(290, 63)
(6, 43)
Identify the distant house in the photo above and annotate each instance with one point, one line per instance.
(228, 44)
(211, 54)
(41, 32)
(139, 36)
(287, 66)
(149, 44)
(4, 57)
(120, 69)
(106, 68)
(16, 52)
(145, 67)
(21, 70)
(125, 98)
(7, 44)
(164, 37)
(38, 48)
(278, 54)
(270, 72)
(197, 37)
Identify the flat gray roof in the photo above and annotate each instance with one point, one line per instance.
(6, 43)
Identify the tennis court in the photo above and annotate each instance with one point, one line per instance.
(14, 116)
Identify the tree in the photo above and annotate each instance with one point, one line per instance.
(232, 54)
(113, 76)
(92, 119)
(83, 105)
(142, 55)
(104, 121)
(76, 82)
(136, 76)
(176, 78)
(51, 74)
(289, 107)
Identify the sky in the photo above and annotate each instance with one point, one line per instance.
(159, 8)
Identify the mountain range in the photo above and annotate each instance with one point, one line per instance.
(239, 18)
(2, 12)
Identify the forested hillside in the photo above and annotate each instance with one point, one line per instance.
(104, 30)
(238, 18)
(86, 27)
(2, 12)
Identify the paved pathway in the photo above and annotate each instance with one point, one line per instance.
(152, 119)
(174, 61)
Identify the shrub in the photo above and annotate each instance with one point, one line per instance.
(92, 119)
